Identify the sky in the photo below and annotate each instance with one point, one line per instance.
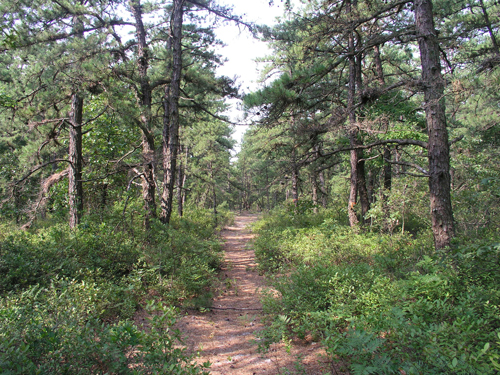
(242, 49)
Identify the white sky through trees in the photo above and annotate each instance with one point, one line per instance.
(242, 49)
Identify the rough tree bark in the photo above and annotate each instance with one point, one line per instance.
(145, 94)
(181, 179)
(171, 144)
(75, 184)
(353, 132)
(438, 147)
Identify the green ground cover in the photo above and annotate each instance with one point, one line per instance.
(382, 304)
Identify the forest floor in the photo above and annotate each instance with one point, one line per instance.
(227, 333)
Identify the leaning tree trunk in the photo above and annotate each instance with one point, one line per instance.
(145, 97)
(171, 146)
(438, 149)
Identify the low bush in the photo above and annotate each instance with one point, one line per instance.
(383, 304)
(59, 330)
(67, 297)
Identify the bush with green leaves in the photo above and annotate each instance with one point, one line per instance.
(383, 304)
(187, 254)
(59, 330)
(67, 297)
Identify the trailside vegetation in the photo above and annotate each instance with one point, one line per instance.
(369, 150)
(380, 303)
(101, 298)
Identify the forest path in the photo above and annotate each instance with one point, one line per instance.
(226, 335)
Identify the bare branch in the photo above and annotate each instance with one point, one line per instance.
(407, 164)
(223, 13)
(457, 139)
(38, 167)
(96, 117)
(401, 142)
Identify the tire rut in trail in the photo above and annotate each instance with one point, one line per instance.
(226, 335)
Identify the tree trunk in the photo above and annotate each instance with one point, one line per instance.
(295, 180)
(75, 190)
(323, 188)
(387, 181)
(214, 195)
(315, 189)
(378, 65)
(490, 28)
(353, 134)
(370, 186)
(75, 184)
(181, 179)
(361, 180)
(362, 190)
(353, 192)
(171, 143)
(438, 149)
(148, 147)
(387, 169)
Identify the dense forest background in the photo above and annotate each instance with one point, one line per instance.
(373, 148)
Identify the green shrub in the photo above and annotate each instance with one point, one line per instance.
(59, 330)
(383, 304)
(66, 295)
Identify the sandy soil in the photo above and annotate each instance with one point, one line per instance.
(226, 335)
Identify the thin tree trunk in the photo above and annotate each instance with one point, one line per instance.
(214, 195)
(75, 190)
(323, 188)
(387, 151)
(170, 153)
(315, 189)
(180, 186)
(295, 180)
(438, 149)
(353, 134)
(353, 192)
(361, 180)
(387, 170)
(148, 147)
(490, 28)
(363, 191)
(370, 186)
(387, 182)
(378, 65)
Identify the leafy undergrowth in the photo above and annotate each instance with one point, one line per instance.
(382, 304)
(68, 296)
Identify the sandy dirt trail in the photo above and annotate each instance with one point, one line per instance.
(226, 335)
